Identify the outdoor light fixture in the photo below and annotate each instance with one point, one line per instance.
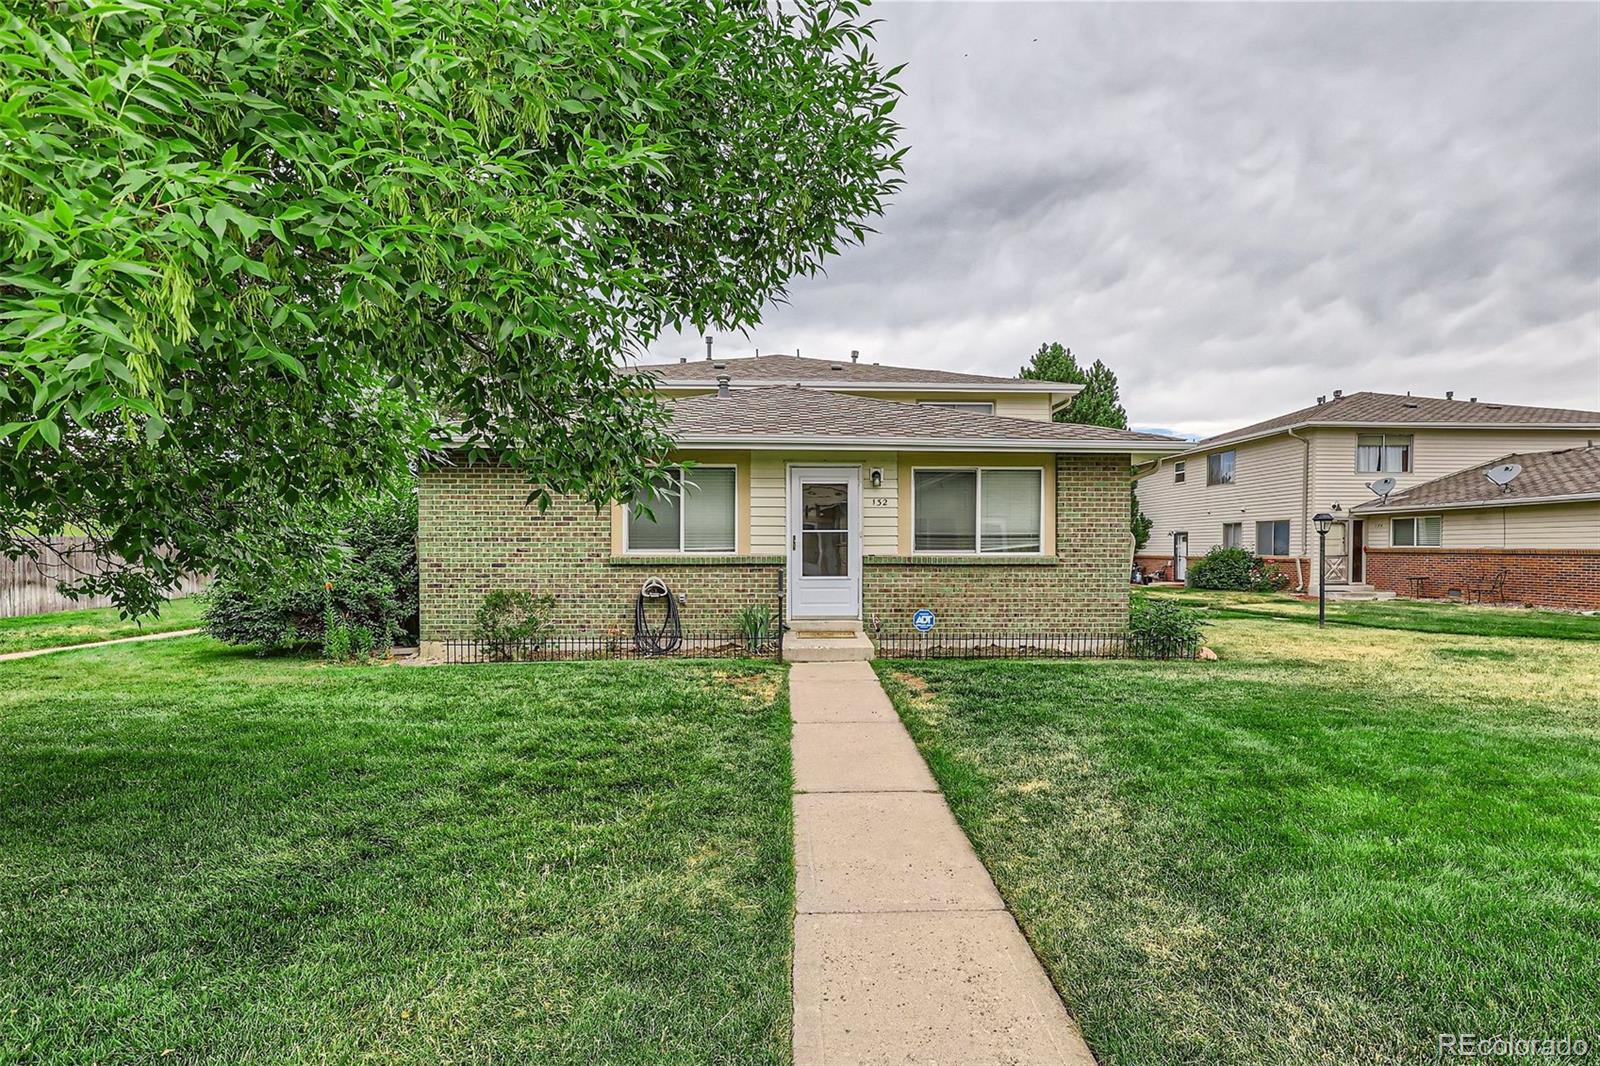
(1324, 523)
(877, 477)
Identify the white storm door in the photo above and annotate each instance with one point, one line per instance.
(825, 542)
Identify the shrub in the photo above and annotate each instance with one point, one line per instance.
(509, 618)
(756, 625)
(1237, 570)
(361, 571)
(1163, 628)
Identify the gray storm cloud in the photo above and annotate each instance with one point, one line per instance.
(1236, 207)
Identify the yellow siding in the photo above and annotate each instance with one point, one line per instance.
(1265, 488)
(769, 491)
(1564, 525)
(1034, 406)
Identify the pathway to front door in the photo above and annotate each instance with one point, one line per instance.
(904, 951)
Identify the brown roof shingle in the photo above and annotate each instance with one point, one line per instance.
(788, 369)
(788, 413)
(1387, 409)
(1570, 473)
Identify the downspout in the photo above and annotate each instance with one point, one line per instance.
(1305, 505)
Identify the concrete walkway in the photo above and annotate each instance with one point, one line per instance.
(904, 951)
(98, 644)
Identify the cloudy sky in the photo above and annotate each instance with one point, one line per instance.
(1236, 207)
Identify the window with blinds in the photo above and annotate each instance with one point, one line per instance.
(985, 510)
(695, 513)
(1388, 453)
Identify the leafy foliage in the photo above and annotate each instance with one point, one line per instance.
(254, 255)
(509, 618)
(756, 624)
(372, 586)
(1235, 569)
(1163, 626)
(1097, 405)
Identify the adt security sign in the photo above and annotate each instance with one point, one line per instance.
(923, 620)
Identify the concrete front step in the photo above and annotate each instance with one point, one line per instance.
(805, 648)
(1357, 593)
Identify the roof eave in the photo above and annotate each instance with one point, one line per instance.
(1012, 444)
(1468, 505)
(1054, 388)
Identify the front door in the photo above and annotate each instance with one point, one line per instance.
(825, 542)
(1358, 551)
(1180, 556)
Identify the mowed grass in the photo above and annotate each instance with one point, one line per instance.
(65, 628)
(209, 857)
(1323, 848)
(1421, 616)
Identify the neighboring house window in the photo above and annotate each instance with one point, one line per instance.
(975, 406)
(1272, 538)
(1219, 468)
(1386, 453)
(1178, 472)
(1233, 534)
(1424, 531)
(977, 510)
(695, 514)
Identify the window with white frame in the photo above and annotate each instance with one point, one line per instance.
(1219, 467)
(1272, 538)
(1233, 534)
(1423, 531)
(979, 407)
(694, 513)
(1178, 472)
(978, 510)
(1385, 453)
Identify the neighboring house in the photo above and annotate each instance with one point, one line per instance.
(1541, 530)
(868, 491)
(1258, 487)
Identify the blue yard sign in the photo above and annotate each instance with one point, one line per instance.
(923, 620)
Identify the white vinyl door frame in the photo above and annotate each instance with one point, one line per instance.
(824, 597)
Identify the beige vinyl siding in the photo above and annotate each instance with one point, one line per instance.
(769, 492)
(1434, 453)
(1563, 525)
(1265, 488)
(1033, 406)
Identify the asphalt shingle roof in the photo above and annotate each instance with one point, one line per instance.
(805, 414)
(1380, 408)
(1570, 472)
(788, 369)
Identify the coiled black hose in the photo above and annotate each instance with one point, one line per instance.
(657, 641)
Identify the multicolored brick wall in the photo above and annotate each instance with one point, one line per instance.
(1568, 578)
(476, 533)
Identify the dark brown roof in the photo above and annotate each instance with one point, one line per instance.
(1572, 473)
(1386, 409)
(785, 414)
(788, 369)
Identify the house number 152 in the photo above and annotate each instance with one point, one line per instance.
(879, 501)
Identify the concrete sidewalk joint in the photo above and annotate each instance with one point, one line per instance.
(904, 951)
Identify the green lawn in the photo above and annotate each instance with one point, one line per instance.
(206, 856)
(64, 628)
(1323, 848)
(1422, 616)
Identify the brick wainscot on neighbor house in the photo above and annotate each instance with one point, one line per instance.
(871, 491)
(1258, 488)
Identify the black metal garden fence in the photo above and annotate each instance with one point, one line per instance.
(1005, 644)
(613, 646)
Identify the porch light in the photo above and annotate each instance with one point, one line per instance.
(1324, 523)
(877, 477)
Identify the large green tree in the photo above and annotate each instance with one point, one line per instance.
(256, 254)
(1097, 405)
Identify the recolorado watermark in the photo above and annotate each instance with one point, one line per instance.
(1513, 1046)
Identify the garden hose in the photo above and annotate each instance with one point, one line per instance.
(666, 638)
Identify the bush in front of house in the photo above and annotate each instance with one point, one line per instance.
(355, 594)
(1163, 628)
(509, 619)
(1237, 570)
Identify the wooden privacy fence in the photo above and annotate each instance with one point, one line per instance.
(29, 587)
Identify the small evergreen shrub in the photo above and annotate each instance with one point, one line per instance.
(1163, 628)
(508, 619)
(1236, 570)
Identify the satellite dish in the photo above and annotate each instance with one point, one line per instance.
(1382, 487)
(1503, 474)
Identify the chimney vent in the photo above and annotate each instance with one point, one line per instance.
(855, 355)
(1321, 400)
(683, 358)
(1450, 395)
(1338, 393)
(722, 384)
(719, 366)
(797, 351)
(708, 347)
(1473, 399)
(836, 368)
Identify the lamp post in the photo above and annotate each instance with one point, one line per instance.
(1324, 523)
